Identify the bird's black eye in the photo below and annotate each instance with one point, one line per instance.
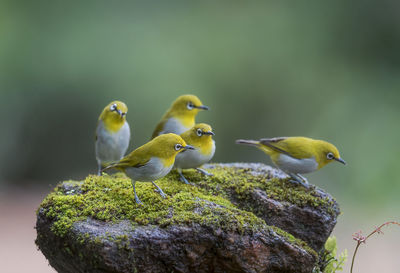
(190, 105)
(330, 156)
(178, 147)
(113, 107)
(199, 132)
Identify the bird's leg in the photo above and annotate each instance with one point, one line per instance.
(303, 178)
(297, 179)
(182, 178)
(159, 190)
(204, 172)
(294, 178)
(134, 191)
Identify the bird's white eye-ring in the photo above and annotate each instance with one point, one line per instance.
(329, 156)
(199, 132)
(178, 147)
(190, 105)
(113, 107)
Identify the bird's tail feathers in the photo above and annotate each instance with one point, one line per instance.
(109, 166)
(255, 143)
(248, 142)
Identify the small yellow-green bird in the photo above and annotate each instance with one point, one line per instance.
(180, 117)
(297, 155)
(200, 138)
(151, 161)
(112, 134)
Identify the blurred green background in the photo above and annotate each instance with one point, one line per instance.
(323, 69)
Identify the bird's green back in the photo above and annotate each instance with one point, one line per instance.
(162, 147)
(297, 147)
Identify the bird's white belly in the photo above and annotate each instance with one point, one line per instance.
(193, 158)
(173, 125)
(111, 147)
(152, 170)
(294, 165)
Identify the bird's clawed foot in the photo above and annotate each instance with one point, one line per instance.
(298, 179)
(138, 200)
(183, 178)
(204, 172)
(159, 190)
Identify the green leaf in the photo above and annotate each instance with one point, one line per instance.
(330, 263)
(331, 246)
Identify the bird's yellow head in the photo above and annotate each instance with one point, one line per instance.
(114, 115)
(199, 134)
(186, 105)
(168, 145)
(326, 153)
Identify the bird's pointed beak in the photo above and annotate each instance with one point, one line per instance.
(188, 147)
(203, 107)
(340, 160)
(120, 112)
(210, 133)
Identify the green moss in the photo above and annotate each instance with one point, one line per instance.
(110, 198)
(240, 183)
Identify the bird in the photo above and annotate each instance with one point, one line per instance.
(112, 134)
(297, 155)
(180, 117)
(200, 138)
(151, 161)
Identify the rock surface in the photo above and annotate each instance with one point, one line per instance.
(310, 222)
(235, 221)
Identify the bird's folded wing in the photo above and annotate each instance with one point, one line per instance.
(133, 161)
(296, 147)
(277, 144)
(159, 128)
(129, 161)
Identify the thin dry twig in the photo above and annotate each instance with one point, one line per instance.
(361, 239)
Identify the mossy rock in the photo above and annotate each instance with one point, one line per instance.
(308, 214)
(220, 223)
